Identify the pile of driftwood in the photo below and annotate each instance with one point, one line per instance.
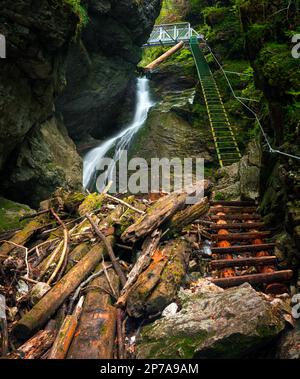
(86, 264)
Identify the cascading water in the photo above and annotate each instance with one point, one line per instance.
(122, 140)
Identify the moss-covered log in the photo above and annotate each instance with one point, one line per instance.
(95, 335)
(23, 235)
(188, 215)
(35, 347)
(77, 254)
(158, 284)
(45, 308)
(161, 211)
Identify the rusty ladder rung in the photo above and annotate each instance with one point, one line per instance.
(240, 236)
(243, 248)
(277, 276)
(242, 262)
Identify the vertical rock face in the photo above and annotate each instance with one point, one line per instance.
(37, 35)
(268, 28)
(101, 65)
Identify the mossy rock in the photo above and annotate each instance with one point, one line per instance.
(226, 324)
(10, 214)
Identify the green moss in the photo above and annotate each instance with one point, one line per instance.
(79, 10)
(91, 202)
(10, 214)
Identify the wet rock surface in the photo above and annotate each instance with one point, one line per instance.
(31, 76)
(101, 65)
(47, 160)
(170, 131)
(214, 324)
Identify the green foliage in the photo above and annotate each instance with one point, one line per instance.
(150, 54)
(279, 68)
(80, 10)
(219, 196)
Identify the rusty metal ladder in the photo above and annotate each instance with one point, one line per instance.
(241, 252)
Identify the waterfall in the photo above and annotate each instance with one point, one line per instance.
(122, 140)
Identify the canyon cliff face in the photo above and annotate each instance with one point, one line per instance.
(101, 65)
(268, 29)
(37, 153)
(37, 35)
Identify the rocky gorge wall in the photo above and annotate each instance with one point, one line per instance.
(101, 65)
(89, 50)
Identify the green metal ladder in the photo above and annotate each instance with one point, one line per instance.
(224, 138)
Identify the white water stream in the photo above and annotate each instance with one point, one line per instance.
(122, 140)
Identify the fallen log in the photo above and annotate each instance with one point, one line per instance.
(158, 284)
(43, 310)
(188, 215)
(161, 211)
(35, 347)
(77, 254)
(94, 338)
(149, 246)
(171, 278)
(163, 57)
(66, 333)
(21, 237)
(109, 249)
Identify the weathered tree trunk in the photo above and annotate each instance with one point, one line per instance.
(188, 216)
(161, 211)
(156, 287)
(77, 254)
(21, 237)
(172, 276)
(35, 347)
(164, 56)
(95, 336)
(43, 310)
(149, 246)
(66, 333)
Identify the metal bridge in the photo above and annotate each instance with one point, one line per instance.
(171, 34)
(181, 34)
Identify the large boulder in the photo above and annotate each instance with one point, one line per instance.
(214, 324)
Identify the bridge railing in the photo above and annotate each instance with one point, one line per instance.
(170, 34)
